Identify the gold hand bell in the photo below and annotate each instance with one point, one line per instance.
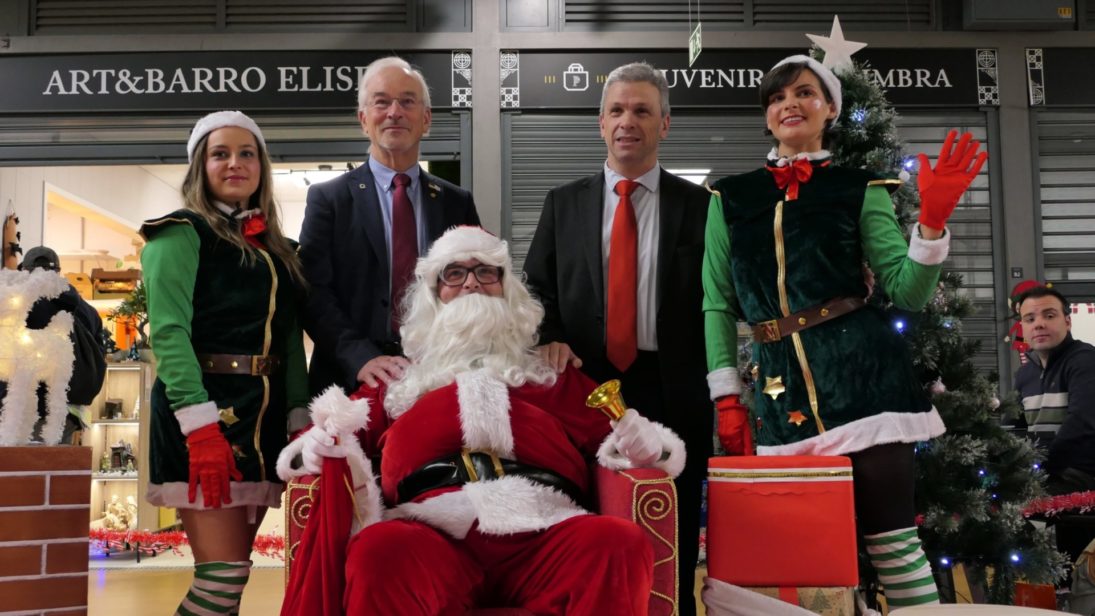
(608, 399)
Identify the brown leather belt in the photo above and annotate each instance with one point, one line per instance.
(254, 365)
(774, 330)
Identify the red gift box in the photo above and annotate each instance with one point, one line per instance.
(781, 521)
(1036, 595)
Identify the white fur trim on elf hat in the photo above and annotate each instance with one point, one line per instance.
(460, 244)
(221, 119)
(832, 84)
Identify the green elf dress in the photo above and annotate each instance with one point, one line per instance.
(846, 383)
(203, 299)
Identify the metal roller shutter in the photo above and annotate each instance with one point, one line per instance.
(1066, 178)
(548, 150)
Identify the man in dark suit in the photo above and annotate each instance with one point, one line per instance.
(363, 232)
(616, 262)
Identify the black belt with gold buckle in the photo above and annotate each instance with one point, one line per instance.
(470, 466)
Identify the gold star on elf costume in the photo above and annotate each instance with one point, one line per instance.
(795, 417)
(228, 415)
(773, 386)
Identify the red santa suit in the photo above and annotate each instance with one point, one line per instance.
(519, 539)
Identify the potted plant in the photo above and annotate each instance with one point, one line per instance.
(135, 307)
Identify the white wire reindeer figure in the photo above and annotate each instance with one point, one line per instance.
(32, 356)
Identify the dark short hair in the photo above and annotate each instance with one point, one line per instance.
(784, 75)
(1037, 292)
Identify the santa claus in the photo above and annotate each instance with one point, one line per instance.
(485, 459)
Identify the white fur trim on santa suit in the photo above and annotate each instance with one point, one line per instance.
(484, 413)
(336, 419)
(197, 416)
(673, 454)
(504, 506)
(928, 252)
(879, 429)
(724, 382)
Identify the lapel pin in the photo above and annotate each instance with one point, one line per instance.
(434, 186)
(361, 186)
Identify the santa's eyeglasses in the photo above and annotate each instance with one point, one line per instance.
(456, 275)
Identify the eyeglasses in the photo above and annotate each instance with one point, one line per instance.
(456, 275)
(408, 103)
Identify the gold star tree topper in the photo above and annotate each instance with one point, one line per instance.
(838, 52)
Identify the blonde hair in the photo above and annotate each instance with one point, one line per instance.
(196, 198)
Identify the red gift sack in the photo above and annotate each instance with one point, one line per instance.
(781, 521)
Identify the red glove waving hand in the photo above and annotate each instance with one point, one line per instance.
(734, 432)
(941, 187)
(211, 464)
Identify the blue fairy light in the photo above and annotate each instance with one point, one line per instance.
(899, 325)
(909, 163)
(946, 562)
(1014, 557)
(859, 115)
(981, 472)
(1037, 466)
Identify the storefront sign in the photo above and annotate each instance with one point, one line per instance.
(1060, 77)
(298, 80)
(729, 77)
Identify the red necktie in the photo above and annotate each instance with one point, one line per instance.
(623, 281)
(404, 242)
(790, 176)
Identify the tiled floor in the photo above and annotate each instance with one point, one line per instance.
(157, 591)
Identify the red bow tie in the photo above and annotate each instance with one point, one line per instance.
(790, 176)
(252, 228)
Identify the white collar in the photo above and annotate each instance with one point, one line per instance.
(783, 161)
(235, 212)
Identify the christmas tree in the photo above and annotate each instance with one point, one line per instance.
(973, 481)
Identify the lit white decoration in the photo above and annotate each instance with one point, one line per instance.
(32, 356)
(838, 52)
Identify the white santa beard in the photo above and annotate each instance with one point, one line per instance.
(472, 332)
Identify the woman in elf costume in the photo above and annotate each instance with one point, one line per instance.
(785, 251)
(223, 288)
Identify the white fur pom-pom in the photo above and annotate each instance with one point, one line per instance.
(337, 414)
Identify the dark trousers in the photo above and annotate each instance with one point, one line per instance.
(642, 390)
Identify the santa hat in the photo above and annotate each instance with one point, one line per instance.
(221, 119)
(460, 244)
(830, 81)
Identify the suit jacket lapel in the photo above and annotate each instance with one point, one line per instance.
(362, 186)
(671, 215)
(431, 198)
(590, 220)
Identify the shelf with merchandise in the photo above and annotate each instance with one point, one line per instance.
(118, 435)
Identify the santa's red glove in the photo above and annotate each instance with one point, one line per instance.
(734, 432)
(211, 464)
(941, 187)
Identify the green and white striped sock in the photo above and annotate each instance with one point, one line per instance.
(902, 568)
(216, 589)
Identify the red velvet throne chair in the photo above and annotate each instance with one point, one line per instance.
(645, 496)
